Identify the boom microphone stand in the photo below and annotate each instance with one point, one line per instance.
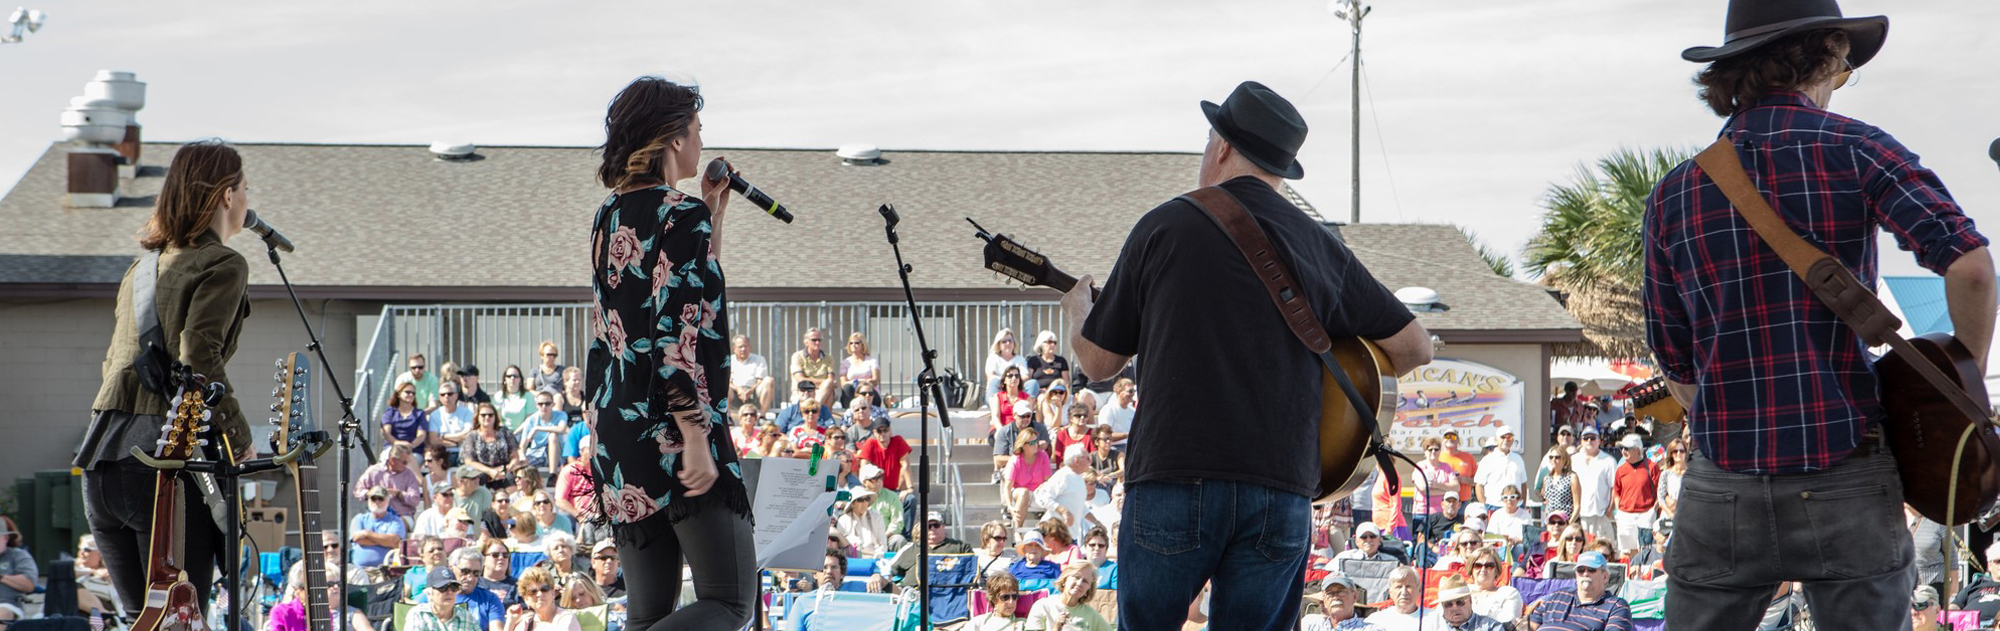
(350, 429)
(928, 390)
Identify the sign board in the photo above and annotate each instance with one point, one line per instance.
(1474, 399)
(790, 506)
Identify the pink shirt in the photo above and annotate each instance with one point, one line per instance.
(1030, 474)
(1440, 478)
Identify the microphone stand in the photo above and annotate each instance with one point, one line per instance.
(928, 390)
(227, 476)
(350, 429)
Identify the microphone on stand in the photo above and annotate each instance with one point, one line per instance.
(271, 237)
(717, 170)
(1993, 151)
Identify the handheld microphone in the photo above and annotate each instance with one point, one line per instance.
(271, 237)
(717, 170)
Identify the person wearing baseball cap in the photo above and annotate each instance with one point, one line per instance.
(1339, 599)
(1594, 469)
(936, 533)
(1588, 608)
(1498, 469)
(1367, 545)
(1635, 488)
(604, 568)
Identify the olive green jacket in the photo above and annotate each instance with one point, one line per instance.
(201, 303)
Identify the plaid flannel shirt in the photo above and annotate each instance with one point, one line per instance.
(1782, 385)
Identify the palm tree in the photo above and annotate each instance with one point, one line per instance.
(1589, 247)
(1495, 260)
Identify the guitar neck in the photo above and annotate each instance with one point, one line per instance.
(319, 616)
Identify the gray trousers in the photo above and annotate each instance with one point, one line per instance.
(1838, 531)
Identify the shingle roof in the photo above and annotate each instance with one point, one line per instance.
(388, 217)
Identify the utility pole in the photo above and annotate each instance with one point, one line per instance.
(1353, 11)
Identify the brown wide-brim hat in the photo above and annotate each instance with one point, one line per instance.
(1753, 23)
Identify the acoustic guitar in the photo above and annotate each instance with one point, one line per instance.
(1344, 462)
(294, 377)
(171, 601)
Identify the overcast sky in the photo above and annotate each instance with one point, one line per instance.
(1470, 109)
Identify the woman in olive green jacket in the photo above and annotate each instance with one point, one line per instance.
(200, 305)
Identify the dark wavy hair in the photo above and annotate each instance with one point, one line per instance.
(1731, 85)
(642, 120)
(198, 181)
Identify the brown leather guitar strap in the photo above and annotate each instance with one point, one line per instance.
(1854, 301)
(1229, 215)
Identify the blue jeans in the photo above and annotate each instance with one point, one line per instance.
(1177, 535)
(1838, 531)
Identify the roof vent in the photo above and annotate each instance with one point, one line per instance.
(1420, 299)
(453, 151)
(94, 120)
(860, 154)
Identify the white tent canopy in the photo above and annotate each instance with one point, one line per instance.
(1587, 374)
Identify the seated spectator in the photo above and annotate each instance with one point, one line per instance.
(290, 615)
(862, 528)
(1438, 526)
(1491, 596)
(572, 401)
(451, 420)
(1066, 494)
(814, 364)
(1367, 545)
(1106, 464)
(547, 374)
(430, 558)
(435, 467)
(873, 394)
(1924, 612)
(515, 400)
(460, 525)
(469, 493)
(846, 469)
(770, 442)
(93, 580)
(1603, 546)
(750, 382)
(604, 569)
(1463, 545)
(562, 553)
(1034, 563)
(404, 421)
(1005, 354)
(547, 520)
(805, 406)
(539, 432)
(1097, 550)
(1008, 434)
(1076, 431)
(579, 592)
(858, 367)
(424, 382)
(1588, 608)
(1120, 410)
(934, 532)
(523, 482)
(376, 531)
(330, 563)
(1045, 366)
(1567, 547)
(1454, 609)
(470, 392)
(1025, 473)
(1404, 611)
(1511, 519)
(488, 610)
(888, 503)
(1003, 593)
(490, 449)
(444, 612)
(993, 556)
(743, 428)
(1338, 598)
(1070, 609)
(18, 573)
(538, 594)
(497, 573)
(1983, 595)
(574, 490)
(1651, 561)
(1009, 399)
(406, 492)
(523, 536)
(888, 451)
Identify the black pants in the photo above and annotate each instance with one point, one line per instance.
(717, 545)
(118, 503)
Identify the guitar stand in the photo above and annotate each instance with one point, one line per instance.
(929, 390)
(228, 477)
(350, 434)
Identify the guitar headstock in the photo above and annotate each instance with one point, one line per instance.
(294, 379)
(188, 423)
(1020, 263)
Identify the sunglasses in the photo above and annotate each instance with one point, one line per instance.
(496, 554)
(1485, 565)
(487, 415)
(935, 525)
(416, 366)
(1574, 538)
(543, 502)
(1006, 596)
(447, 393)
(513, 375)
(1371, 536)
(537, 591)
(605, 557)
(997, 538)
(1098, 545)
(543, 404)
(550, 354)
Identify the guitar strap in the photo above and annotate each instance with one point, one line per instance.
(1289, 297)
(154, 364)
(1836, 287)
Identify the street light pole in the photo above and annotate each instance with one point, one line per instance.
(22, 22)
(1353, 11)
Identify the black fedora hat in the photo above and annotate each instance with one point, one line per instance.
(1752, 23)
(1261, 125)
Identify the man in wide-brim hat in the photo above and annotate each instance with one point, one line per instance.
(1788, 478)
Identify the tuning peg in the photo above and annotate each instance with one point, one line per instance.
(201, 442)
(278, 390)
(274, 421)
(275, 406)
(298, 371)
(280, 363)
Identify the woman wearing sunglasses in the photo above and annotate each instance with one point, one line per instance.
(1491, 595)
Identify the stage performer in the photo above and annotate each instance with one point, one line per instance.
(657, 369)
(199, 305)
(1182, 296)
(1788, 478)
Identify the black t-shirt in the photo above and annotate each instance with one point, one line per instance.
(1046, 372)
(1230, 392)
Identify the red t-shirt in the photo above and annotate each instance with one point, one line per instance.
(890, 459)
(1064, 440)
(1636, 486)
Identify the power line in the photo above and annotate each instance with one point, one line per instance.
(1380, 143)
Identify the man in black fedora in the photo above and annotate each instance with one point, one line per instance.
(1788, 478)
(1223, 458)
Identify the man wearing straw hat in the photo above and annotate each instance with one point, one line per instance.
(1454, 610)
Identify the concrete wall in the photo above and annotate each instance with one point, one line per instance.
(54, 356)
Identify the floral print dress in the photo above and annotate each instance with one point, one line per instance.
(658, 322)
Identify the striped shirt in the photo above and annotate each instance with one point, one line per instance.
(1561, 611)
(1782, 385)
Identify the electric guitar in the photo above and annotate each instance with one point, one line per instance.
(294, 376)
(1343, 436)
(171, 602)
(1651, 398)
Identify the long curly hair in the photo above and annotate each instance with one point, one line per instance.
(643, 119)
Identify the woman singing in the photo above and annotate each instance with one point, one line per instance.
(666, 473)
(200, 305)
